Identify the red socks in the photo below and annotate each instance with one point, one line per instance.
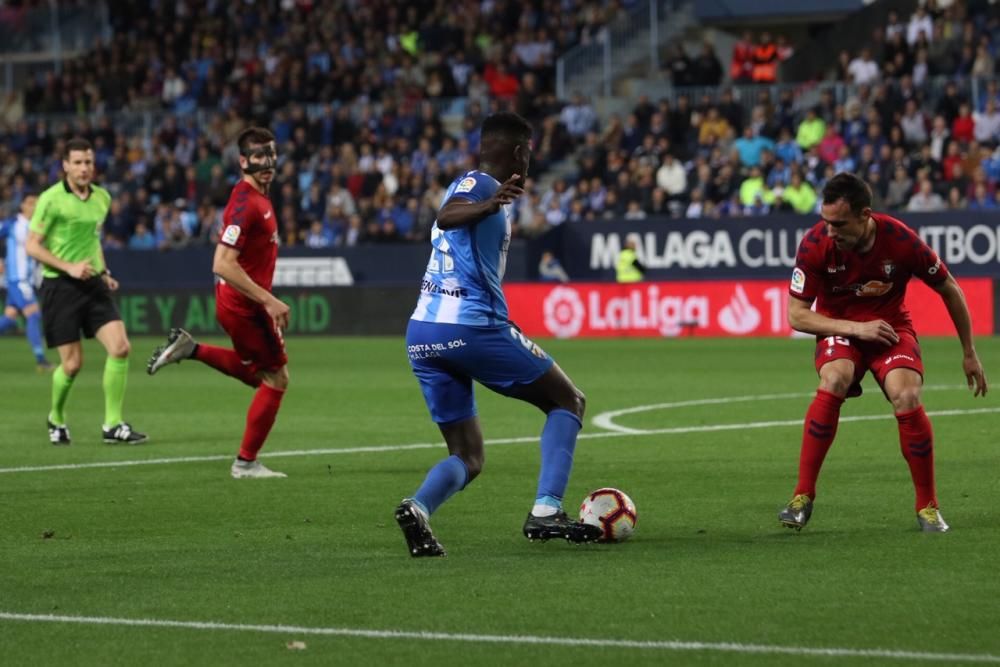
(916, 440)
(260, 419)
(818, 433)
(225, 361)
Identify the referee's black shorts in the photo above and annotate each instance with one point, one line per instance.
(71, 306)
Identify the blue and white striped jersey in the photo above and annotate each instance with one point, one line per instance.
(462, 281)
(18, 266)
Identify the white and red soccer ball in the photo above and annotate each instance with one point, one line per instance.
(610, 510)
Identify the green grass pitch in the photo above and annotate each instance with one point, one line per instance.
(708, 568)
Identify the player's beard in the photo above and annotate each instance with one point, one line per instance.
(265, 186)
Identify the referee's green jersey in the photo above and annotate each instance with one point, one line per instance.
(71, 226)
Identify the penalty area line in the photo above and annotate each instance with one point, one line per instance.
(676, 430)
(528, 640)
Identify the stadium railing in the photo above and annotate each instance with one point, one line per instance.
(629, 38)
(808, 94)
(46, 35)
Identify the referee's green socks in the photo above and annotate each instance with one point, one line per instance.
(61, 384)
(115, 377)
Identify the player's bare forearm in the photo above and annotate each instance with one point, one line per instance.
(958, 310)
(459, 212)
(226, 266)
(801, 318)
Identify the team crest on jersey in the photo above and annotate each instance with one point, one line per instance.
(466, 184)
(888, 267)
(231, 235)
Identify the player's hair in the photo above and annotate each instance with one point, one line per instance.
(507, 127)
(851, 189)
(76, 144)
(253, 135)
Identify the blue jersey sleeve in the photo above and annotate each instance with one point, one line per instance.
(475, 187)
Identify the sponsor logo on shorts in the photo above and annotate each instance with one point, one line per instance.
(798, 281)
(466, 184)
(897, 357)
(231, 234)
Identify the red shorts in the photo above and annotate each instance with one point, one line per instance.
(256, 339)
(870, 356)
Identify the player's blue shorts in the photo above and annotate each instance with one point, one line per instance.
(20, 294)
(446, 358)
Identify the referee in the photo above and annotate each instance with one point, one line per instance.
(65, 236)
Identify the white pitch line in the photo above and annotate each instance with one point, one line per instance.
(535, 640)
(677, 430)
(605, 420)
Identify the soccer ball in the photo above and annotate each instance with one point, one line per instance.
(610, 510)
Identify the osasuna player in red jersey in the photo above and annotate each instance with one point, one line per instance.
(855, 265)
(246, 309)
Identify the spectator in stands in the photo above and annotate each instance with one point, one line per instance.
(986, 124)
(753, 190)
(750, 146)
(549, 268)
(798, 195)
(963, 127)
(900, 188)
(863, 70)
(671, 177)
(811, 130)
(706, 70)
(925, 200)
(713, 129)
(578, 117)
(741, 65)
(679, 65)
(920, 24)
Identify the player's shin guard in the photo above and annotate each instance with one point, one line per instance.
(260, 418)
(820, 428)
(61, 384)
(557, 445)
(115, 378)
(225, 361)
(444, 480)
(916, 440)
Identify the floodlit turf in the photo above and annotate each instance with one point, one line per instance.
(709, 563)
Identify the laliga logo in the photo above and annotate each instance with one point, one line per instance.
(564, 312)
(740, 316)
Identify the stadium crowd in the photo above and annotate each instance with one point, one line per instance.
(354, 93)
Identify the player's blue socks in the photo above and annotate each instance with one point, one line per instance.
(441, 483)
(7, 323)
(558, 444)
(34, 331)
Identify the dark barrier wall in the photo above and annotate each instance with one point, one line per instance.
(388, 264)
(355, 311)
(738, 248)
(749, 248)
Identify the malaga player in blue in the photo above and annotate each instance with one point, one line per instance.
(20, 271)
(460, 332)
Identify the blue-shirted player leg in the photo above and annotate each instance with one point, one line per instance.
(7, 323)
(442, 482)
(558, 444)
(34, 333)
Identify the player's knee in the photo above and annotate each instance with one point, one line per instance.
(836, 384)
(474, 464)
(277, 379)
(120, 348)
(577, 403)
(906, 399)
(71, 366)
